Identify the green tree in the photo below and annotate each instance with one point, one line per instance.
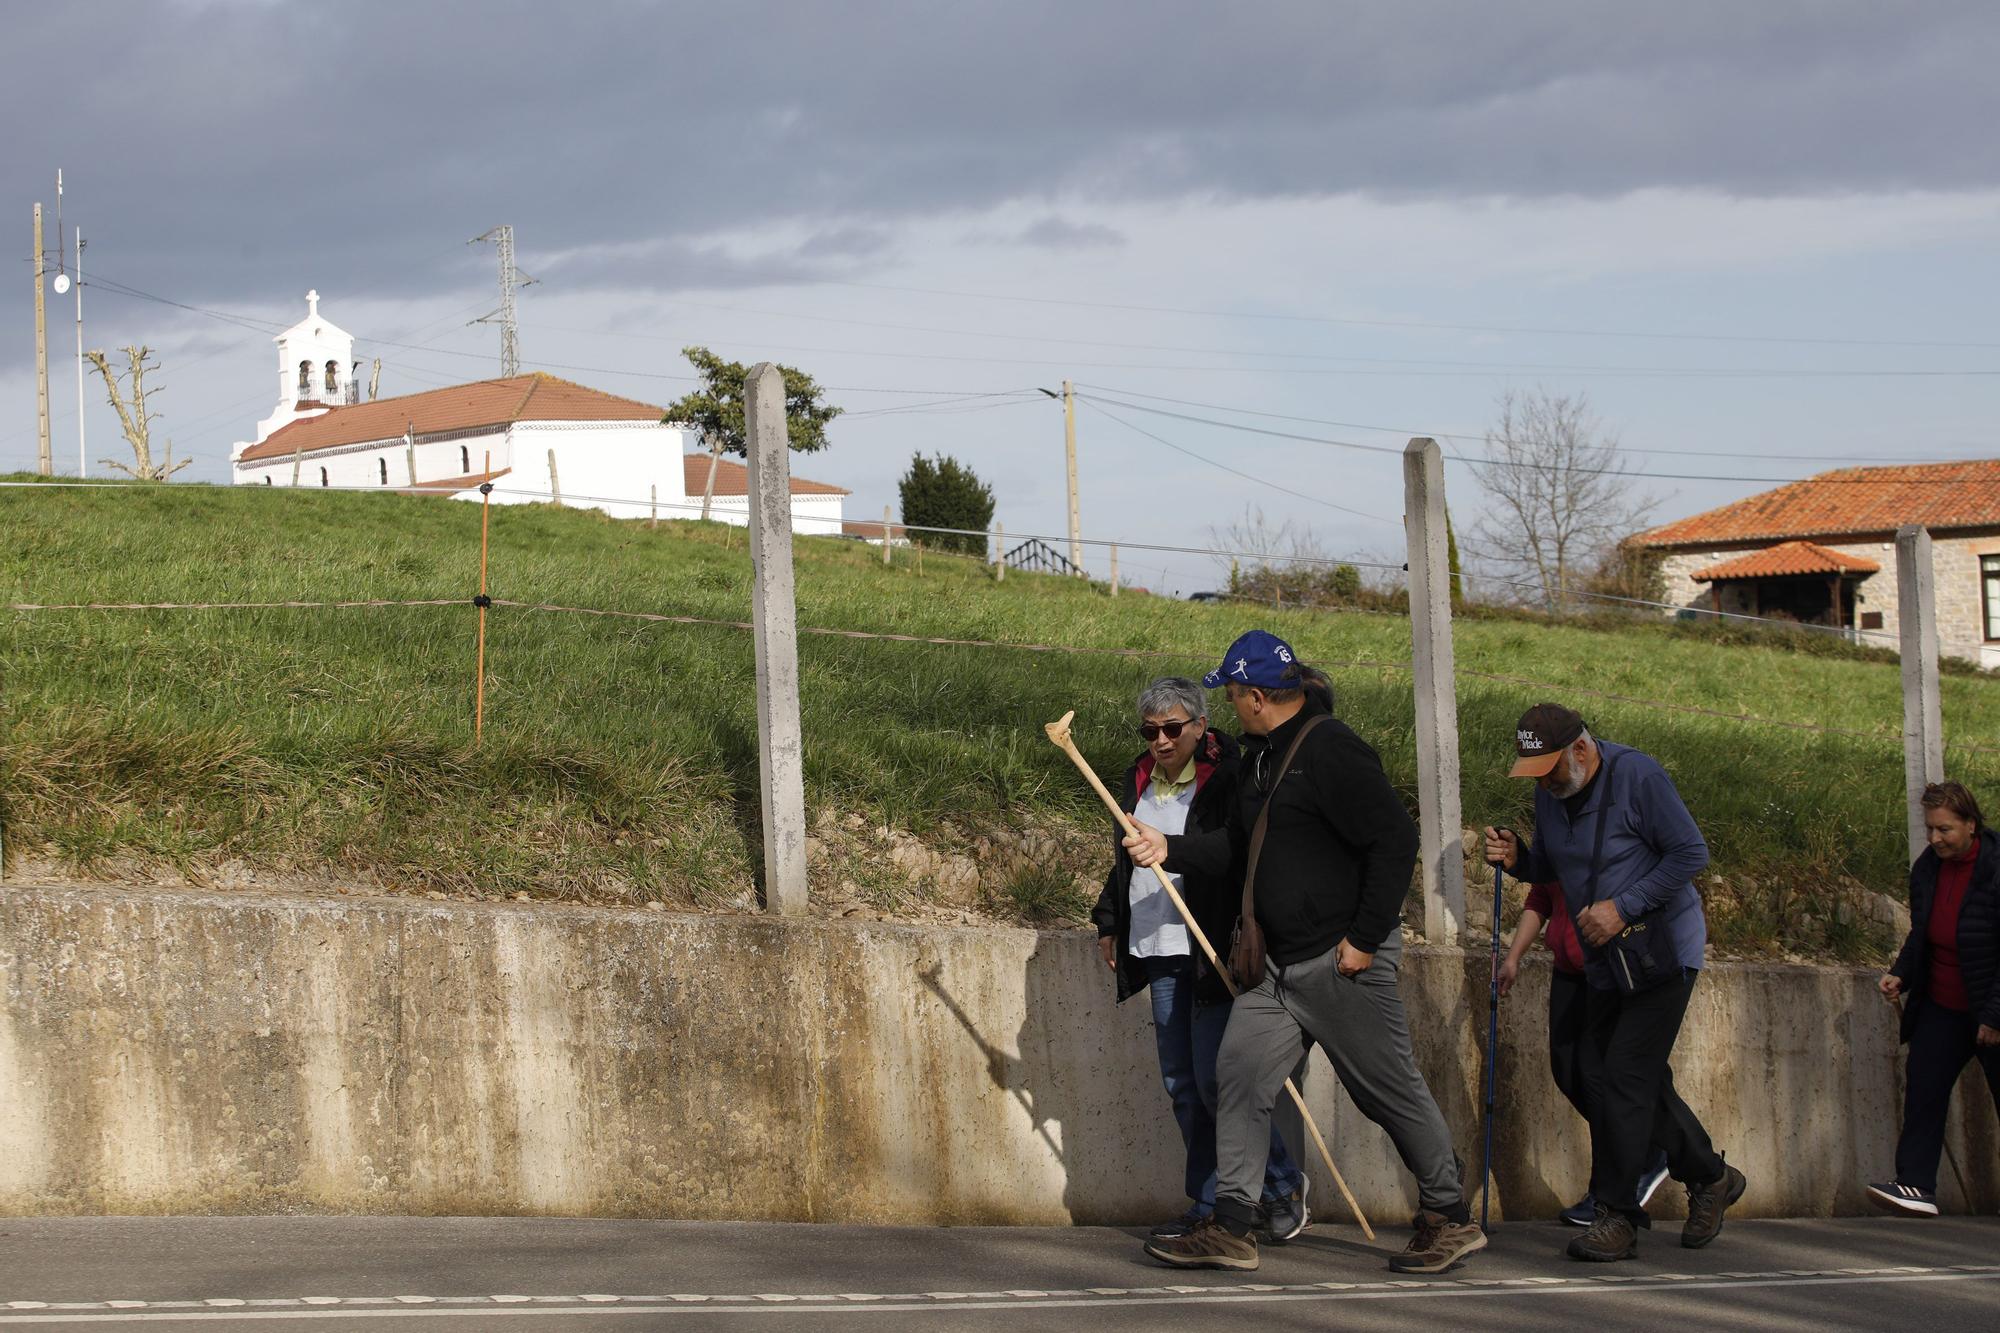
(716, 409)
(944, 493)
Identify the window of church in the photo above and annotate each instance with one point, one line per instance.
(464, 459)
(267, 479)
(383, 463)
(322, 476)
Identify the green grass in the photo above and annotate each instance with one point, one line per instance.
(619, 761)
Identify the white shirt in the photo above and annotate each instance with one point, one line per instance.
(1157, 930)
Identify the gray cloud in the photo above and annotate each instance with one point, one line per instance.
(1057, 233)
(231, 152)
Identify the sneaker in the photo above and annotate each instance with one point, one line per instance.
(1181, 1225)
(1439, 1245)
(1654, 1176)
(1285, 1218)
(1706, 1205)
(1907, 1200)
(1581, 1213)
(1611, 1237)
(1208, 1245)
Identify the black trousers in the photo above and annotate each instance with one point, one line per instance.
(1941, 1041)
(1569, 1017)
(1629, 1088)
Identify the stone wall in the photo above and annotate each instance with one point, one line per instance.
(196, 1053)
(1955, 566)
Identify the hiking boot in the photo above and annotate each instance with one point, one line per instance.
(1208, 1245)
(1285, 1218)
(1654, 1176)
(1907, 1200)
(1439, 1245)
(1181, 1225)
(1611, 1237)
(1706, 1205)
(1581, 1213)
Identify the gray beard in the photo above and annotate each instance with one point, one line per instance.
(1572, 783)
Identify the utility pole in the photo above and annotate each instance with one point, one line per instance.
(511, 279)
(80, 458)
(46, 462)
(1069, 447)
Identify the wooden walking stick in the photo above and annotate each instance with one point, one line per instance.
(1058, 732)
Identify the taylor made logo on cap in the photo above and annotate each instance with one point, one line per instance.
(1528, 740)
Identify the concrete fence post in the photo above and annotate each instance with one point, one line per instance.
(885, 534)
(1923, 711)
(774, 613)
(1439, 816)
(999, 552)
(555, 485)
(653, 507)
(1114, 571)
(410, 461)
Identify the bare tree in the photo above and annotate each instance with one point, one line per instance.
(1562, 494)
(134, 419)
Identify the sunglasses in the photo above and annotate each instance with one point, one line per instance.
(1171, 730)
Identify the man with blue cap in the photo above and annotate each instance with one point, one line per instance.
(1324, 849)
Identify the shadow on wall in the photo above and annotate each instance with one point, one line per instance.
(1081, 1072)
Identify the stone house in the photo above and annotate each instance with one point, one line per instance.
(1822, 552)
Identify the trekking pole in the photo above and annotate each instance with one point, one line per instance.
(1492, 1056)
(1949, 1156)
(1059, 733)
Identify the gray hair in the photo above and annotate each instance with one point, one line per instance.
(1171, 692)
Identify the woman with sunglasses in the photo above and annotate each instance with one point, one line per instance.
(1185, 781)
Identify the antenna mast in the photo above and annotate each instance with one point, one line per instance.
(511, 279)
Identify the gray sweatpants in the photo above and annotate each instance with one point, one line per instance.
(1360, 1023)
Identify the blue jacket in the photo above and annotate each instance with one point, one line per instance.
(1652, 852)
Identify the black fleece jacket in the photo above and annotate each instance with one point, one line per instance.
(1338, 851)
(1213, 900)
(1978, 934)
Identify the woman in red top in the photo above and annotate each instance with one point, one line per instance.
(1947, 971)
(1567, 1011)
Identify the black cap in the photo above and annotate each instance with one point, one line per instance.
(1540, 738)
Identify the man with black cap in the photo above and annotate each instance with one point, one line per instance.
(1610, 827)
(1333, 849)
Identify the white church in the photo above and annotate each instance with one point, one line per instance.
(534, 436)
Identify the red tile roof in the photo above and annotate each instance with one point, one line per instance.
(733, 478)
(1852, 502)
(453, 485)
(1785, 560)
(494, 403)
(870, 529)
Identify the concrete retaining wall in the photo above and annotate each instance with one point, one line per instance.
(173, 1052)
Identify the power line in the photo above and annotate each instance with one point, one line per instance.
(1460, 435)
(1478, 367)
(1501, 462)
(1418, 324)
(1290, 491)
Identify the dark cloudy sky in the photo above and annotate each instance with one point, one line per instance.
(895, 196)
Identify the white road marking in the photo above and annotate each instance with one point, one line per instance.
(234, 1309)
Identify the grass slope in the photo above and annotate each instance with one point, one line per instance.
(619, 761)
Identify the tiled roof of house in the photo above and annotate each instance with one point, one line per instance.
(494, 403)
(870, 529)
(732, 478)
(1785, 560)
(1852, 502)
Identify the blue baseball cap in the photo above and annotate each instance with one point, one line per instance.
(1258, 658)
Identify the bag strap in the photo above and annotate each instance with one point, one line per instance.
(1597, 850)
(1264, 817)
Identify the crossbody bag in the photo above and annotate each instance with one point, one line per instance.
(1246, 944)
(1642, 955)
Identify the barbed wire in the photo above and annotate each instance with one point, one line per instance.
(672, 618)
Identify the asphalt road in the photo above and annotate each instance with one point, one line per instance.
(526, 1275)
